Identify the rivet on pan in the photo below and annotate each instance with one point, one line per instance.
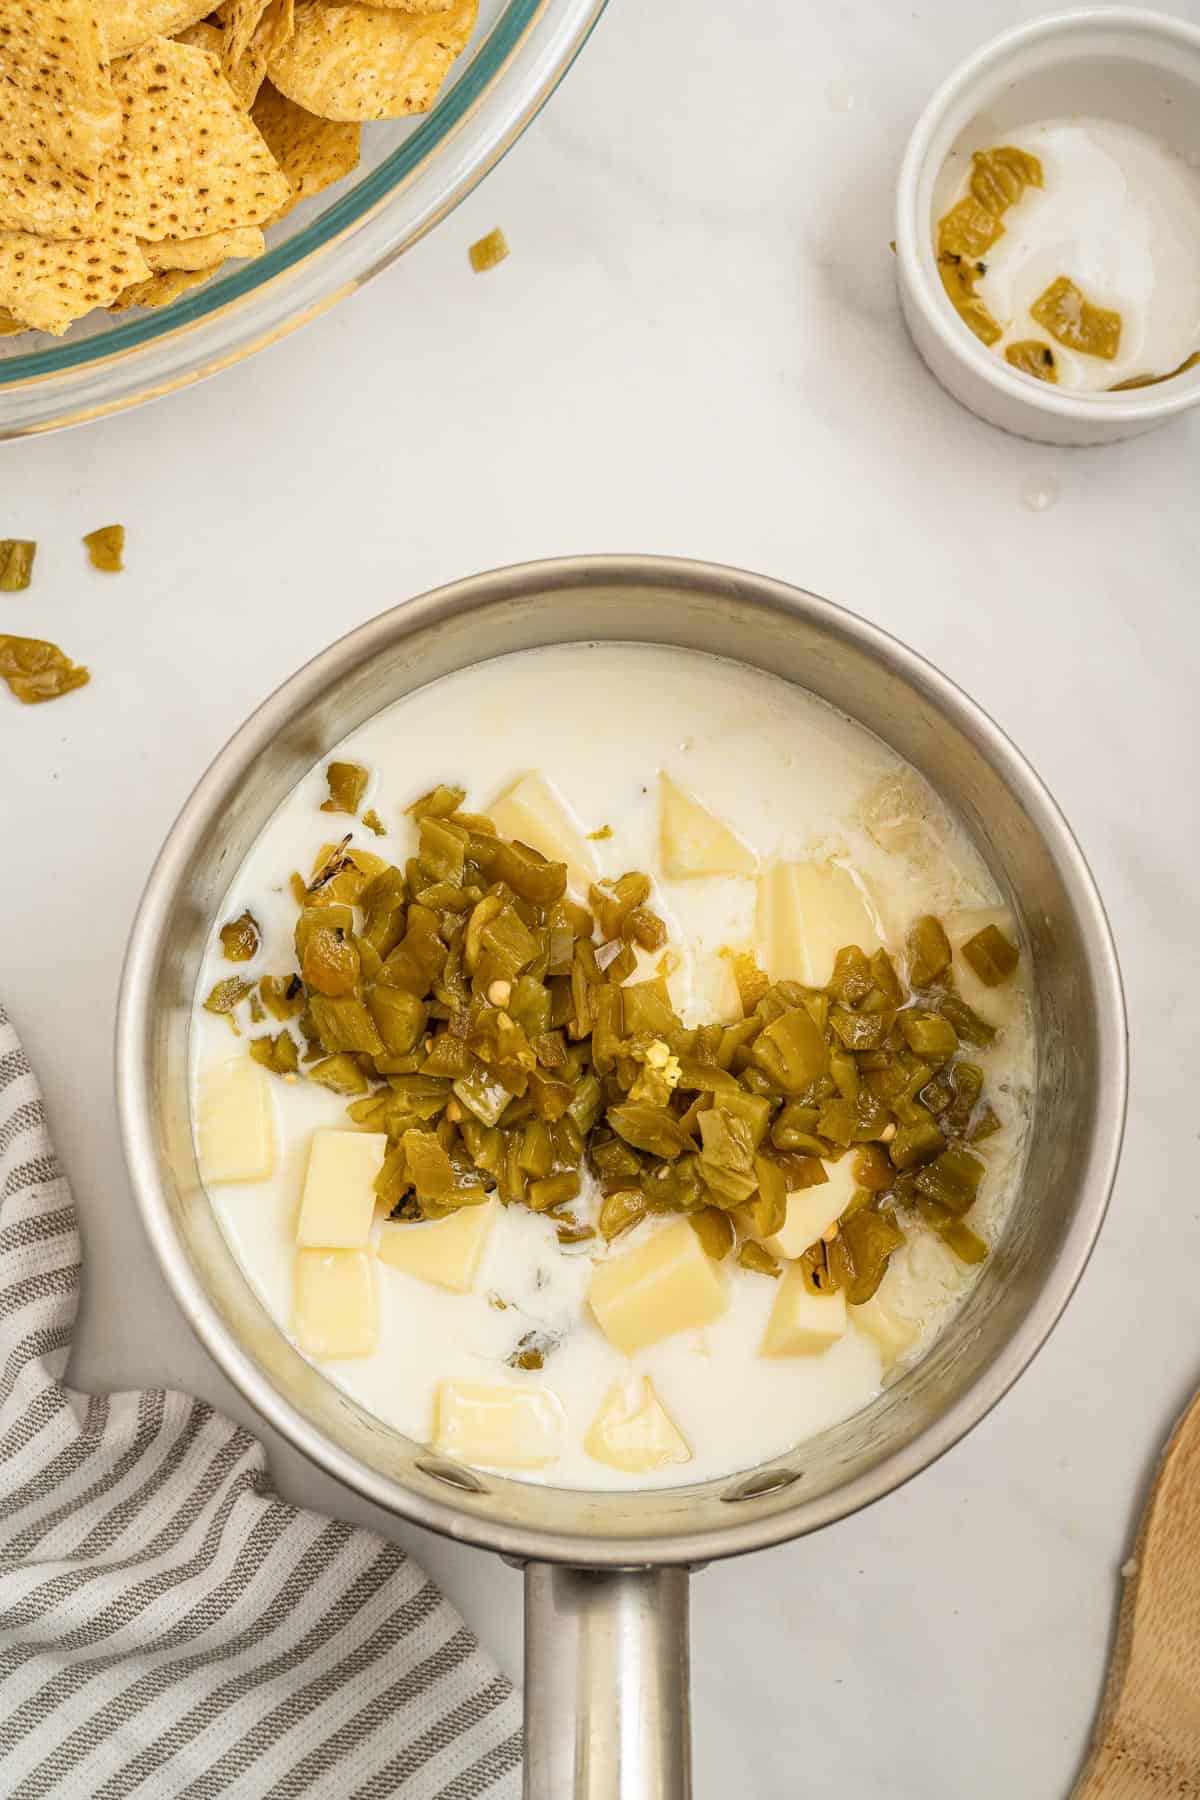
(454, 1477)
(770, 1481)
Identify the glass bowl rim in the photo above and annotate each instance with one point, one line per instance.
(115, 347)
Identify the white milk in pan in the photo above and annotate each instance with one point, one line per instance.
(798, 784)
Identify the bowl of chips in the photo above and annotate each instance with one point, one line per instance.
(182, 185)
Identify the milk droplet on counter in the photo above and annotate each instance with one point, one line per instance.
(840, 97)
(1040, 492)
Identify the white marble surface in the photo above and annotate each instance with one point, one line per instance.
(694, 348)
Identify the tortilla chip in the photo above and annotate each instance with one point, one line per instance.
(247, 76)
(160, 290)
(49, 282)
(10, 327)
(190, 161)
(416, 6)
(240, 20)
(58, 116)
(347, 61)
(203, 36)
(244, 77)
(254, 31)
(126, 25)
(204, 252)
(313, 153)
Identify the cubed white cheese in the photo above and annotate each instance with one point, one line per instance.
(500, 1427)
(634, 1431)
(810, 1212)
(707, 983)
(446, 1252)
(693, 841)
(663, 1285)
(333, 1303)
(235, 1122)
(807, 912)
(338, 1203)
(893, 1334)
(803, 1323)
(532, 811)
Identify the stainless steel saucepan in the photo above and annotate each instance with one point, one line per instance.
(606, 1575)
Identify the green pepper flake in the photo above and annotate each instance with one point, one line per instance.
(16, 564)
(488, 251)
(227, 995)
(36, 670)
(373, 822)
(104, 547)
(347, 785)
(601, 836)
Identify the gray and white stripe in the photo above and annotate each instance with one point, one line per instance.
(169, 1627)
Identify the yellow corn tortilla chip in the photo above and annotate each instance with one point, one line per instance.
(204, 253)
(347, 62)
(10, 327)
(190, 161)
(416, 6)
(246, 76)
(160, 290)
(49, 282)
(58, 116)
(126, 25)
(254, 30)
(240, 20)
(278, 24)
(203, 36)
(313, 153)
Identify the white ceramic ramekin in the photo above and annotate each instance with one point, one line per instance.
(1138, 68)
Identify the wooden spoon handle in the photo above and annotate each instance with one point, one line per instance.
(1146, 1744)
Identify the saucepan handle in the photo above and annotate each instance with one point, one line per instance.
(606, 1684)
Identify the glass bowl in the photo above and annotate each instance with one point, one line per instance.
(412, 173)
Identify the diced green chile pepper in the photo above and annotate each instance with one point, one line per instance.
(715, 1230)
(952, 1178)
(928, 951)
(928, 1034)
(347, 785)
(991, 955)
(791, 1052)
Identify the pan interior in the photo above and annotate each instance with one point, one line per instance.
(1073, 1133)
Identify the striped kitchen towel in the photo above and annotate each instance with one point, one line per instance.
(169, 1627)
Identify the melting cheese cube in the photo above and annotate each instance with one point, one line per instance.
(706, 982)
(338, 1204)
(532, 811)
(893, 1334)
(235, 1122)
(634, 1431)
(995, 1004)
(445, 1251)
(810, 1213)
(664, 1285)
(501, 1427)
(807, 912)
(333, 1303)
(803, 1323)
(693, 841)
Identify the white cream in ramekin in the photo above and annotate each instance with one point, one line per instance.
(1125, 72)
